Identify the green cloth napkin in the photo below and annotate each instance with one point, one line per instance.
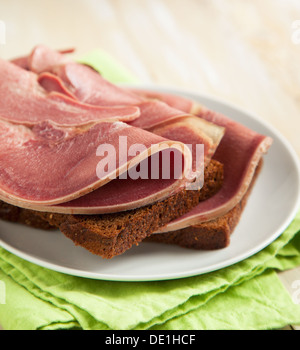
(108, 66)
(247, 295)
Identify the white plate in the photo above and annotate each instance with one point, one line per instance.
(271, 207)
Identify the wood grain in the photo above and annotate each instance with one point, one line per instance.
(244, 51)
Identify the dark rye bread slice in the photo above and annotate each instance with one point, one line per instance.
(110, 235)
(26, 217)
(210, 235)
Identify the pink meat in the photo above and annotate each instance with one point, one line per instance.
(23, 100)
(240, 151)
(57, 73)
(48, 165)
(175, 101)
(119, 195)
(88, 86)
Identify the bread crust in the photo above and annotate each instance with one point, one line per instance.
(211, 235)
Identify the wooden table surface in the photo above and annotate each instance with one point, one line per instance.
(246, 52)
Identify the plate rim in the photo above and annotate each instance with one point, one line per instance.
(197, 271)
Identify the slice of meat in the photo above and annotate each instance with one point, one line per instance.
(240, 151)
(122, 194)
(52, 83)
(175, 101)
(49, 165)
(24, 61)
(24, 101)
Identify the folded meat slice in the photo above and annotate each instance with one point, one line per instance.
(120, 195)
(25, 101)
(47, 165)
(240, 151)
